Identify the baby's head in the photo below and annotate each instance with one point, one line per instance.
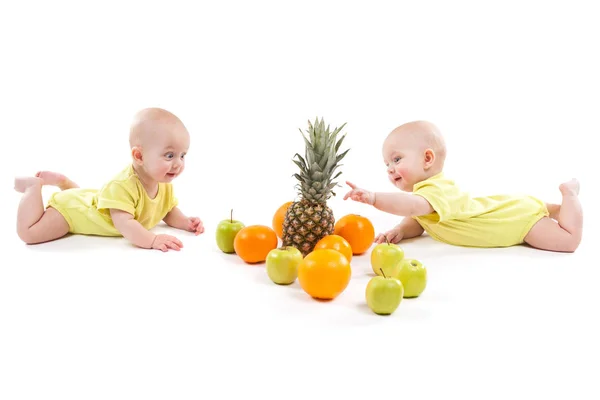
(159, 142)
(412, 153)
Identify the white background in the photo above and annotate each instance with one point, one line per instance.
(513, 86)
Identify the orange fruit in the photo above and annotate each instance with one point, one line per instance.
(357, 230)
(324, 273)
(335, 242)
(279, 217)
(254, 242)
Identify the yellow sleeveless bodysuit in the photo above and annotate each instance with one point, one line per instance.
(87, 211)
(492, 221)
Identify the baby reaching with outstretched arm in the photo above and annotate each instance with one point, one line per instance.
(414, 154)
(129, 205)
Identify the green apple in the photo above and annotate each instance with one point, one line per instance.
(226, 231)
(387, 257)
(413, 276)
(384, 294)
(282, 264)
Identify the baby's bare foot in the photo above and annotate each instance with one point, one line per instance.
(22, 184)
(570, 188)
(51, 178)
(56, 179)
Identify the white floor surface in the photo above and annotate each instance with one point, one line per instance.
(91, 317)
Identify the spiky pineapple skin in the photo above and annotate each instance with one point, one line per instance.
(306, 223)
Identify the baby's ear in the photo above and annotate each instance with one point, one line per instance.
(136, 153)
(428, 158)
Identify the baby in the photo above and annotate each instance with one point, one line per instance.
(131, 204)
(414, 155)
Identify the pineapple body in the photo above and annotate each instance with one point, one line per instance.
(306, 223)
(310, 219)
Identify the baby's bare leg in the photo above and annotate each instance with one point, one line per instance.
(564, 235)
(34, 225)
(56, 179)
(554, 210)
(570, 217)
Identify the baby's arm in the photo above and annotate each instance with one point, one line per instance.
(133, 231)
(404, 204)
(407, 229)
(177, 219)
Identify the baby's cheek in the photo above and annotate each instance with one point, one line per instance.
(155, 169)
(166, 167)
(403, 172)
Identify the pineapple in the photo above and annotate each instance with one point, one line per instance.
(310, 219)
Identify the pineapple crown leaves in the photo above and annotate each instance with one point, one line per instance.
(320, 161)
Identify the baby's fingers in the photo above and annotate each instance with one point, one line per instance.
(360, 196)
(173, 246)
(389, 236)
(175, 241)
(392, 237)
(352, 185)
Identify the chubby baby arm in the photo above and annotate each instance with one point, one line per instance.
(133, 231)
(403, 204)
(177, 219)
(407, 229)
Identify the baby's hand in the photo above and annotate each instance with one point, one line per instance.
(195, 225)
(358, 194)
(166, 242)
(393, 236)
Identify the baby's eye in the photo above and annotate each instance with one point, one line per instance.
(169, 155)
(183, 156)
(396, 159)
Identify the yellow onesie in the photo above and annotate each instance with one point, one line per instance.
(493, 221)
(87, 211)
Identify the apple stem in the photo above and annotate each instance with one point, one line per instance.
(386, 239)
(231, 216)
(382, 273)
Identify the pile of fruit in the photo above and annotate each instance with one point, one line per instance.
(316, 249)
